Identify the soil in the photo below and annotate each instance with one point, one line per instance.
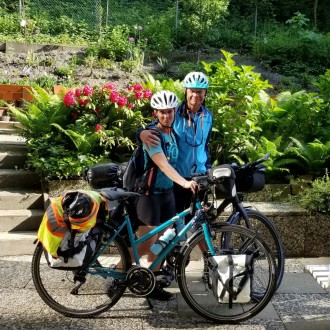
(17, 67)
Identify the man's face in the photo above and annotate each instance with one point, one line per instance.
(195, 96)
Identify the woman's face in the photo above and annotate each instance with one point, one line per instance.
(195, 97)
(165, 116)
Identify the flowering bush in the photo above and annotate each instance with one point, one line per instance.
(69, 131)
(104, 119)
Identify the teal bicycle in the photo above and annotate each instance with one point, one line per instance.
(239, 266)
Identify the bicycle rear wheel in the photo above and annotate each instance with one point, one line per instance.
(201, 297)
(79, 293)
(267, 230)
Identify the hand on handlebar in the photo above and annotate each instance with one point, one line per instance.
(192, 185)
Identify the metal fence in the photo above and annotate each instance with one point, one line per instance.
(97, 13)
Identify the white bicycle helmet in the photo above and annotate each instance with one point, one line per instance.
(195, 80)
(164, 100)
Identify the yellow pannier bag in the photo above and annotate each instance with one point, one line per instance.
(73, 210)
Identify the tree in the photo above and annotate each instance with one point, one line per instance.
(197, 17)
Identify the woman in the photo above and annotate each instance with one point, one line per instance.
(157, 203)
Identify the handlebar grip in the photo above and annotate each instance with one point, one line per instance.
(255, 163)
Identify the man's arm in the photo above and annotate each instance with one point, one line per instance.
(148, 135)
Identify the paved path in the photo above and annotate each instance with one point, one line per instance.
(300, 303)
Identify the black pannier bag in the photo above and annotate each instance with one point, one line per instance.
(251, 180)
(104, 175)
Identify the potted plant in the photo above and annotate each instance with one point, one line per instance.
(5, 115)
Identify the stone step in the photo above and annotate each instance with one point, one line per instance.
(19, 179)
(12, 142)
(321, 273)
(20, 220)
(12, 244)
(21, 199)
(9, 125)
(12, 159)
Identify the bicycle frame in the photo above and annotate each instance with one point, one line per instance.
(238, 208)
(136, 242)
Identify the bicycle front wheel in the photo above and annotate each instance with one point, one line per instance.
(265, 228)
(194, 283)
(79, 293)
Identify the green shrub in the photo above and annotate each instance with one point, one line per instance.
(317, 197)
(235, 98)
(186, 67)
(63, 72)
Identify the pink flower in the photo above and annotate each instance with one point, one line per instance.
(138, 95)
(83, 102)
(131, 39)
(147, 93)
(137, 87)
(130, 105)
(78, 92)
(110, 86)
(114, 96)
(98, 127)
(88, 90)
(122, 101)
(130, 88)
(69, 99)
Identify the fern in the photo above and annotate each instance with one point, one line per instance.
(38, 116)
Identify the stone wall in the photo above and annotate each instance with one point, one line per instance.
(303, 234)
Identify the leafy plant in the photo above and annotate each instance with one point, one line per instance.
(277, 164)
(63, 72)
(235, 97)
(164, 64)
(38, 116)
(155, 85)
(186, 67)
(317, 197)
(70, 131)
(303, 115)
(311, 158)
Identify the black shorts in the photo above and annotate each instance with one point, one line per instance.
(152, 210)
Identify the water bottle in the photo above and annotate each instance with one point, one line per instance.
(179, 226)
(163, 241)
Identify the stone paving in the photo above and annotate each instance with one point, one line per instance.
(300, 303)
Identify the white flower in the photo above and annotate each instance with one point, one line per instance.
(23, 22)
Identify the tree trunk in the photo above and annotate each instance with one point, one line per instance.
(315, 12)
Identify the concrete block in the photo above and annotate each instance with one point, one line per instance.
(20, 220)
(17, 244)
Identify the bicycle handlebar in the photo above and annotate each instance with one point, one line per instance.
(254, 164)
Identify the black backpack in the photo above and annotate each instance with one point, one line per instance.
(135, 169)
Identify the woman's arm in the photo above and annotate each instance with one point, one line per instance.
(160, 160)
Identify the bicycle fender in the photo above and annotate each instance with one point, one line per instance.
(236, 214)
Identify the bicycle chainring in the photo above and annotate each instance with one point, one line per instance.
(140, 281)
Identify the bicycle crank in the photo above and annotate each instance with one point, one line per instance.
(140, 281)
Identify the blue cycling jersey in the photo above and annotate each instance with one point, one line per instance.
(162, 183)
(193, 133)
